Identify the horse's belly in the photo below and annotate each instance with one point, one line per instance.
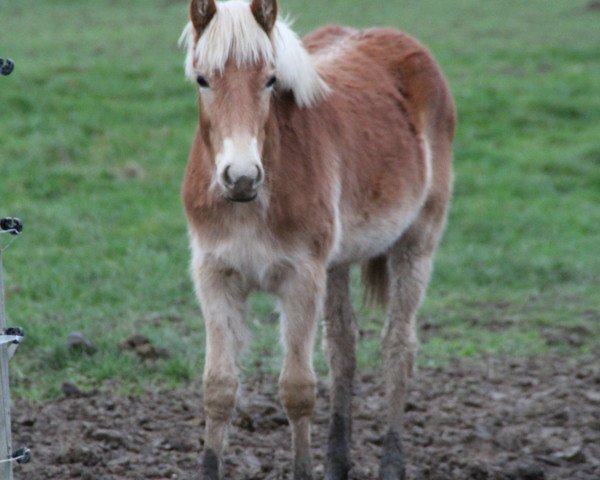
(361, 239)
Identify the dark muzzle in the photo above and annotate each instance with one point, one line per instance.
(244, 188)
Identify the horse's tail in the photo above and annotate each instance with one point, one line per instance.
(375, 279)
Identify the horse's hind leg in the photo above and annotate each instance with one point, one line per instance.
(409, 268)
(340, 342)
(222, 297)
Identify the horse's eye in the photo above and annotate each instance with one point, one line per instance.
(203, 82)
(271, 81)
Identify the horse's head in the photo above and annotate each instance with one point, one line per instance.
(238, 53)
(234, 67)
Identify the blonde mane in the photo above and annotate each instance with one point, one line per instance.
(234, 33)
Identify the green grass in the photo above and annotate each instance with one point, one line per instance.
(96, 122)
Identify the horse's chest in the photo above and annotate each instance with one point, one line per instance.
(251, 251)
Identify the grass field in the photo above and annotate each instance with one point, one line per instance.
(95, 126)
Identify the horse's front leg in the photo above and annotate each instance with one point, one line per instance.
(301, 296)
(222, 295)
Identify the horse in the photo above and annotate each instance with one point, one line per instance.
(312, 155)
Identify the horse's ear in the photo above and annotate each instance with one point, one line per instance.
(265, 12)
(201, 13)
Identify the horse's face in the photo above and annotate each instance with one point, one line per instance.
(234, 110)
(234, 67)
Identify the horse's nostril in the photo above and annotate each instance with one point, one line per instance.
(259, 176)
(227, 178)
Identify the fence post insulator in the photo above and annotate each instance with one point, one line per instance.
(11, 225)
(6, 66)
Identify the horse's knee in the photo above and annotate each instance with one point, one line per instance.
(411, 353)
(400, 346)
(406, 354)
(219, 397)
(298, 397)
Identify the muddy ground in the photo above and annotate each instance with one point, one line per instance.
(530, 420)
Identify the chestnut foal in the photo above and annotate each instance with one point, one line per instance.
(312, 155)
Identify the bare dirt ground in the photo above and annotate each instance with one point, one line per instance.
(518, 420)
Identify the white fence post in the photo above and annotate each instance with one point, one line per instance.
(5, 439)
(14, 227)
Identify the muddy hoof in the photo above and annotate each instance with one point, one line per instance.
(337, 471)
(302, 473)
(392, 460)
(210, 465)
(338, 455)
